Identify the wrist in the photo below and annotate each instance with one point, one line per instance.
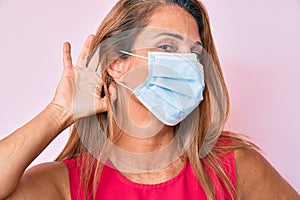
(61, 116)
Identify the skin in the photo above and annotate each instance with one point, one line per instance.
(151, 40)
(256, 178)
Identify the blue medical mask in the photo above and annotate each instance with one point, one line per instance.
(174, 86)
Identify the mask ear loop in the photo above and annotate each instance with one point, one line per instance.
(132, 54)
(125, 86)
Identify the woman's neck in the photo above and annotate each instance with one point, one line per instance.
(133, 144)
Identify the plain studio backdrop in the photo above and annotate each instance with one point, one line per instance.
(257, 41)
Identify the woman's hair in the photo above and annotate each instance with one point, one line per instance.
(120, 27)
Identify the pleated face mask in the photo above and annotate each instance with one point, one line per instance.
(174, 86)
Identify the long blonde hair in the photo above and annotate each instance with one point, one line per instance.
(129, 15)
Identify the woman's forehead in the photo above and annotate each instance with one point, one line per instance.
(150, 36)
(175, 19)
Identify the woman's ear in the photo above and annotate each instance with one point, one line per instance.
(117, 68)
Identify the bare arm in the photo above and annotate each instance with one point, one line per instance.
(20, 148)
(257, 179)
(45, 181)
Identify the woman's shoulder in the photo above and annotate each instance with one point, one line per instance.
(257, 179)
(48, 180)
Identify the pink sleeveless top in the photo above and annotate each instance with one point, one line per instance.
(113, 185)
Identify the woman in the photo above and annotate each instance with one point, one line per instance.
(137, 133)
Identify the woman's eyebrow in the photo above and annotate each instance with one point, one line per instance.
(177, 36)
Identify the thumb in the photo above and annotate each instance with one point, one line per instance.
(67, 59)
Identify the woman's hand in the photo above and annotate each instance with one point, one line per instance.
(79, 90)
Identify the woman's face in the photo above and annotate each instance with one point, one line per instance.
(170, 29)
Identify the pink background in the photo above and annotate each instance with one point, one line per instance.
(258, 44)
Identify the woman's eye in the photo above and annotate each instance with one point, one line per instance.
(167, 47)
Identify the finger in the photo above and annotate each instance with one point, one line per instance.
(112, 89)
(94, 62)
(85, 51)
(101, 105)
(98, 69)
(67, 59)
(99, 88)
(101, 102)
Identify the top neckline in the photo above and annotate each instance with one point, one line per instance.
(131, 183)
